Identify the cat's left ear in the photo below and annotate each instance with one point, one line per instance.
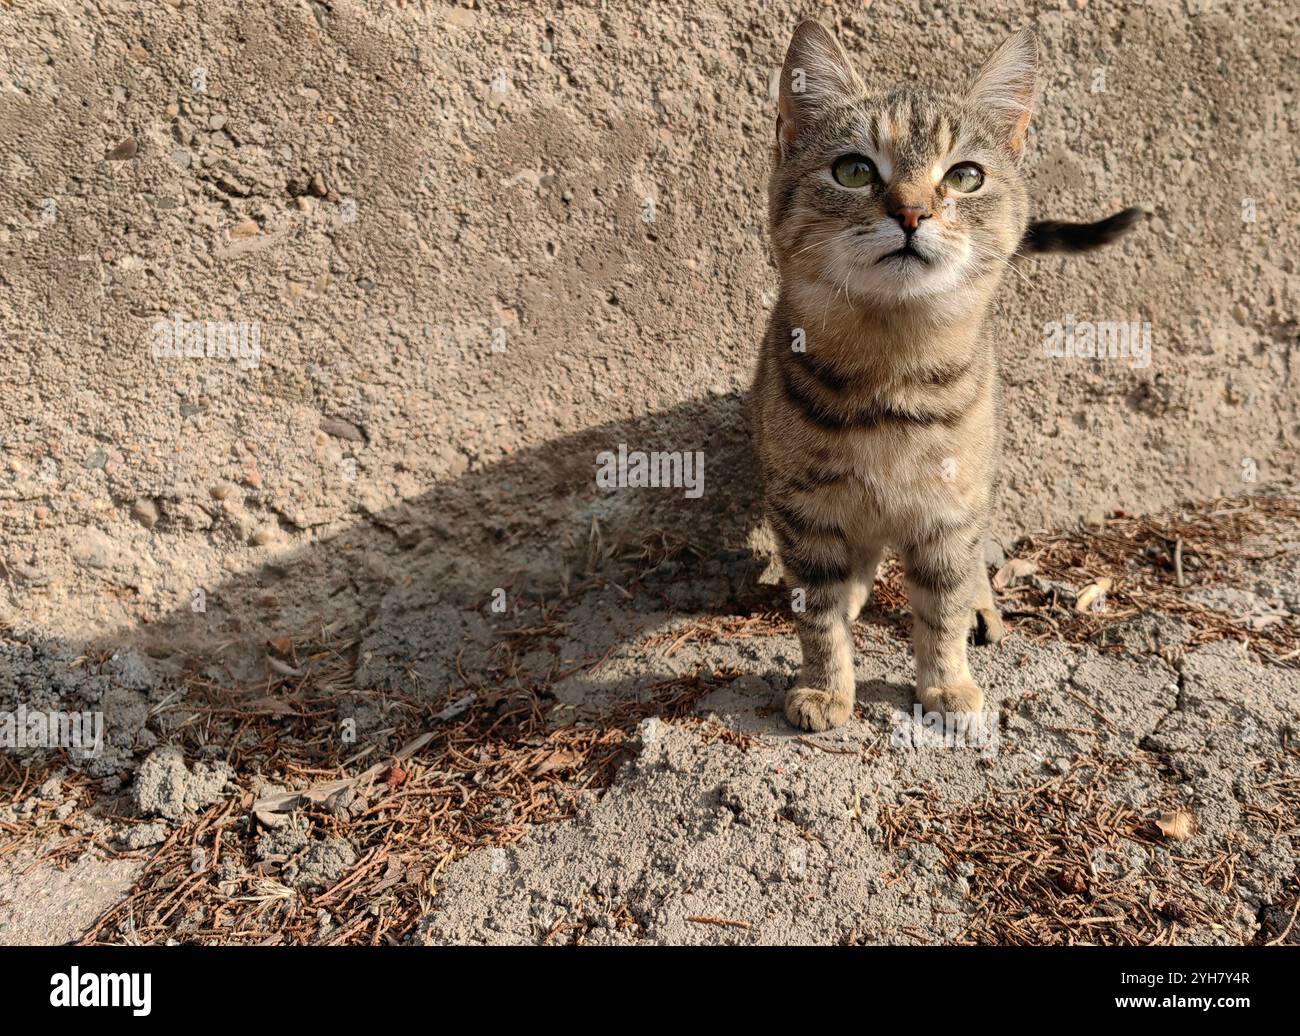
(816, 74)
(1005, 88)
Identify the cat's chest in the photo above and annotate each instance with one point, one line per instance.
(898, 475)
(886, 462)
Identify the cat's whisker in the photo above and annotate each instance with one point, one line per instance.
(826, 240)
(983, 253)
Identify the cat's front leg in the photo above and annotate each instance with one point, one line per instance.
(819, 570)
(824, 694)
(942, 572)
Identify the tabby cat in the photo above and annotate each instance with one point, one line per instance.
(893, 217)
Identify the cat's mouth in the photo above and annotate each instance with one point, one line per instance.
(906, 252)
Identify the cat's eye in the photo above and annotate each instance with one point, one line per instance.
(854, 171)
(966, 177)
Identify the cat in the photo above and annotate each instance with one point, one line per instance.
(875, 408)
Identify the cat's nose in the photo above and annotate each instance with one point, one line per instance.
(909, 216)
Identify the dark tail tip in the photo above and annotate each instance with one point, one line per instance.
(1055, 236)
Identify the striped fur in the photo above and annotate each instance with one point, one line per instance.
(875, 404)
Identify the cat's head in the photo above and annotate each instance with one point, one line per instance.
(904, 194)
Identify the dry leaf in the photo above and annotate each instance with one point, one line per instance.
(456, 708)
(1178, 825)
(282, 668)
(281, 645)
(555, 761)
(1092, 592)
(1071, 880)
(1016, 568)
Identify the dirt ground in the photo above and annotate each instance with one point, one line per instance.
(477, 246)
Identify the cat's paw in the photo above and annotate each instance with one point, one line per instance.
(811, 709)
(962, 696)
(987, 624)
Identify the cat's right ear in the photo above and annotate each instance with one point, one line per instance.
(816, 73)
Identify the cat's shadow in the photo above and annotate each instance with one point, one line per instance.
(412, 589)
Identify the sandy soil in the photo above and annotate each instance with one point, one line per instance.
(436, 219)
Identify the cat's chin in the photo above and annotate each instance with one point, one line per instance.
(904, 280)
(890, 278)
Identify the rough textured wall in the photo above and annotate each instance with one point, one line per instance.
(383, 192)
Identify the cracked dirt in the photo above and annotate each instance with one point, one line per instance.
(872, 833)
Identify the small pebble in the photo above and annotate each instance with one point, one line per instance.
(123, 151)
(341, 429)
(146, 512)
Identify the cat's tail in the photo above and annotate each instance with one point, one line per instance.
(1054, 236)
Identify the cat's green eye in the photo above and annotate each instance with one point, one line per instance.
(854, 171)
(966, 177)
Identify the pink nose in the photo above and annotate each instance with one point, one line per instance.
(910, 216)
